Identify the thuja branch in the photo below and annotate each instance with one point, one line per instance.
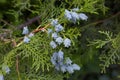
(35, 31)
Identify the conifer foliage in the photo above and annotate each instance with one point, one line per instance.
(57, 44)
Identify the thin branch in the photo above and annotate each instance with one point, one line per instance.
(7, 23)
(30, 21)
(17, 67)
(17, 61)
(100, 21)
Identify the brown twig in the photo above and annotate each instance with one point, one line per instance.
(41, 29)
(17, 60)
(17, 67)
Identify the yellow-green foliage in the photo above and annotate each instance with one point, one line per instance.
(38, 50)
(110, 54)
